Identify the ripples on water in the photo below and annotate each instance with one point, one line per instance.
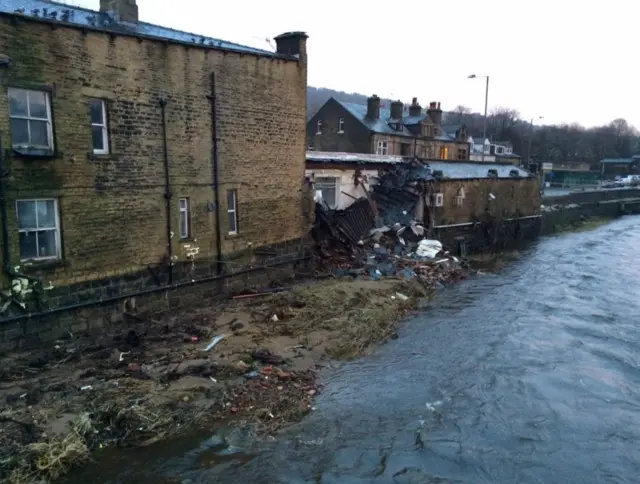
(528, 377)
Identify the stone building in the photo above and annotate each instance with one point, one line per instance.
(398, 130)
(137, 156)
(470, 206)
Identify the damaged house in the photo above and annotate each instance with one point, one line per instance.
(126, 170)
(470, 207)
(396, 131)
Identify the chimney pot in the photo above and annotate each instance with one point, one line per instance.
(373, 107)
(435, 113)
(292, 43)
(124, 10)
(396, 109)
(415, 109)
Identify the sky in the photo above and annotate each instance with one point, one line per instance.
(569, 61)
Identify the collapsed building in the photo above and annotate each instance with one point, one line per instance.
(469, 207)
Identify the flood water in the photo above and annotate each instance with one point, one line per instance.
(529, 376)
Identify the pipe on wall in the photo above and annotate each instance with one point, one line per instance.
(216, 171)
(167, 187)
(7, 268)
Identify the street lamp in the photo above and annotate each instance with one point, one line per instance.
(530, 138)
(486, 101)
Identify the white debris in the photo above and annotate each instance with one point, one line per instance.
(428, 248)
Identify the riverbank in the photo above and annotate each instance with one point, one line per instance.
(250, 360)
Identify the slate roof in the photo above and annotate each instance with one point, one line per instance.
(381, 125)
(356, 158)
(453, 170)
(91, 19)
(461, 171)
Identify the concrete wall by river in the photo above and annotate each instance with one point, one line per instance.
(561, 211)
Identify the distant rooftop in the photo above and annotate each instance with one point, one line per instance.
(356, 158)
(91, 19)
(454, 170)
(619, 161)
(381, 125)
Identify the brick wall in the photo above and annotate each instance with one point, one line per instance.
(112, 207)
(421, 147)
(513, 197)
(354, 139)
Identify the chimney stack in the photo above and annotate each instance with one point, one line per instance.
(292, 43)
(415, 109)
(124, 10)
(396, 109)
(435, 113)
(373, 107)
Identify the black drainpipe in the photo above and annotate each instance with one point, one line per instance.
(7, 268)
(167, 186)
(216, 174)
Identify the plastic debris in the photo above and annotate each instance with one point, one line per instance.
(86, 387)
(401, 296)
(214, 342)
(429, 248)
(274, 318)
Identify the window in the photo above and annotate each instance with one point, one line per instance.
(444, 153)
(435, 200)
(232, 211)
(405, 149)
(30, 113)
(328, 186)
(39, 229)
(382, 148)
(341, 125)
(462, 154)
(99, 127)
(460, 197)
(319, 128)
(185, 218)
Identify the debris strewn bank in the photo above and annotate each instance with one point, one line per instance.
(249, 360)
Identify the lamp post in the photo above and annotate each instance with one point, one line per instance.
(486, 104)
(530, 138)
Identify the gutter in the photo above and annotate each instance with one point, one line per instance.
(216, 171)
(167, 187)
(123, 33)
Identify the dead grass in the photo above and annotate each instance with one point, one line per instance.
(45, 461)
(358, 316)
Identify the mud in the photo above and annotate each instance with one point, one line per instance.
(152, 378)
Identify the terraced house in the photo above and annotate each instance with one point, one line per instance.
(137, 157)
(397, 130)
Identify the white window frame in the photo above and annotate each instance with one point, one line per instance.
(319, 127)
(326, 181)
(184, 205)
(38, 230)
(233, 210)
(382, 148)
(340, 125)
(28, 118)
(104, 127)
(435, 200)
(460, 197)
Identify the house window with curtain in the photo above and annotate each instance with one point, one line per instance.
(30, 119)
(444, 153)
(39, 229)
(328, 186)
(185, 218)
(99, 127)
(382, 148)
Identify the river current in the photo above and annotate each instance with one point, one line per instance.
(528, 376)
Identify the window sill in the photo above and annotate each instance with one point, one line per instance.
(340, 132)
(30, 266)
(102, 156)
(32, 153)
(231, 235)
(187, 240)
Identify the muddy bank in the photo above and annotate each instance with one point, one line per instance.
(154, 377)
